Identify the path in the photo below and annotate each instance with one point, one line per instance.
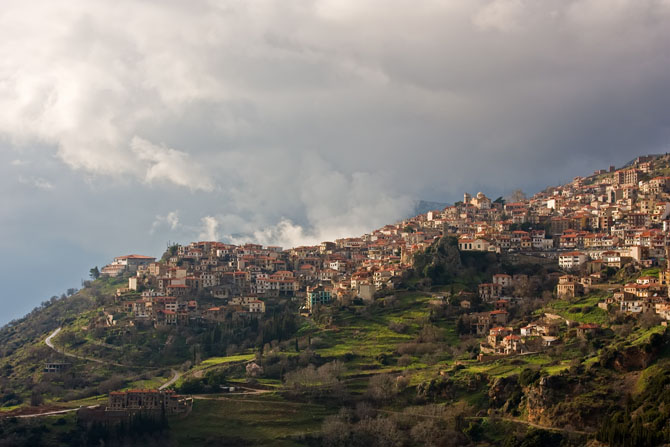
(176, 375)
(51, 413)
(49, 343)
(538, 426)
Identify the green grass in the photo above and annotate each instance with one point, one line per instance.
(582, 310)
(93, 400)
(10, 408)
(150, 384)
(213, 361)
(642, 336)
(654, 271)
(258, 420)
(369, 335)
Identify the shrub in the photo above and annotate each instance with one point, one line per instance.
(528, 376)
(404, 360)
(399, 328)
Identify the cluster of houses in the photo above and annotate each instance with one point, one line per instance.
(622, 212)
(589, 225)
(592, 226)
(213, 281)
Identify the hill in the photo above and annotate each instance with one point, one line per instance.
(451, 331)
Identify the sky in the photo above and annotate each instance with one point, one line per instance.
(126, 125)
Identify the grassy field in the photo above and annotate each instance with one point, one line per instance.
(581, 310)
(258, 420)
(366, 336)
(213, 361)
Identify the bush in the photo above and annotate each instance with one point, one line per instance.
(399, 328)
(528, 377)
(404, 360)
(381, 387)
(192, 386)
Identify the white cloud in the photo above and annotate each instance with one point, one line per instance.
(166, 164)
(209, 229)
(36, 182)
(169, 221)
(500, 15)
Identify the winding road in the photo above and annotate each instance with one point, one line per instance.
(175, 376)
(49, 343)
(51, 413)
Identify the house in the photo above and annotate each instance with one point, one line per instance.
(148, 401)
(635, 305)
(502, 279)
(317, 296)
(127, 263)
(647, 280)
(166, 318)
(256, 306)
(56, 367)
(512, 344)
(569, 287)
(473, 244)
(490, 291)
(571, 260)
(497, 334)
(499, 316)
(586, 330)
(663, 310)
(530, 330)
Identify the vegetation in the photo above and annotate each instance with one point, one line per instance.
(403, 370)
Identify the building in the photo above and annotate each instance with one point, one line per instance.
(490, 291)
(569, 287)
(56, 367)
(626, 177)
(317, 296)
(502, 279)
(571, 260)
(473, 245)
(144, 400)
(128, 263)
(256, 306)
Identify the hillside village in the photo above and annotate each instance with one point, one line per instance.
(591, 228)
(502, 308)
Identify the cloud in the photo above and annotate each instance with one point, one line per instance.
(209, 229)
(36, 182)
(290, 122)
(500, 15)
(169, 221)
(165, 164)
(326, 118)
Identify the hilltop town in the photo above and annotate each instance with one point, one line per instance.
(535, 319)
(591, 228)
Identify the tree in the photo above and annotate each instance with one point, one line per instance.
(94, 273)
(517, 196)
(381, 387)
(36, 398)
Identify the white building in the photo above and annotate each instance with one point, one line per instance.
(571, 260)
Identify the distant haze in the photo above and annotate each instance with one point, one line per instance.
(128, 124)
